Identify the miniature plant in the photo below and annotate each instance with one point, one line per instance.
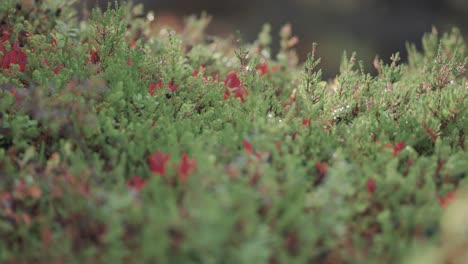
(122, 141)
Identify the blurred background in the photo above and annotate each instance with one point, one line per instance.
(369, 27)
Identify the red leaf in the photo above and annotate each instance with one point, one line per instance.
(153, 86)
(445, 201)
(234, 84)
(57, 69)
(239, 92)
(262, 68)
(398, 147)
(321, 167)
(442, 202)
(93, 57)
(186, 166)
(136, 182)
(370, 185)
(450, 196)
(248, 147)
(172, 86)
(14, 56)
(157, 162)
(232, 81)
(5, 36)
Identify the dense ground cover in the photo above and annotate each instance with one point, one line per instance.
(124, 142)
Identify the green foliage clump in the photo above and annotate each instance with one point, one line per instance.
(122, 141)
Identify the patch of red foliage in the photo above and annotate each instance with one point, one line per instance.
(157, 162)
(248, 147)
(153, 86)
(15, 55)
(186, 166)
(58, 68)
(371, 185)
(321, 167)
(235, 86)
(262, 68)
(172, 86)
(136, 183)
(444, 201)
(93, 57)
(398, 147)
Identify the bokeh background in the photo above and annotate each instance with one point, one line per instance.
(369, 27)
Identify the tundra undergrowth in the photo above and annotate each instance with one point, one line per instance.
(122, 141)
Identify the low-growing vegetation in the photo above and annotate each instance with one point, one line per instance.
(125, 142)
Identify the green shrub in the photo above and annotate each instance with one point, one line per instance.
(121, 141)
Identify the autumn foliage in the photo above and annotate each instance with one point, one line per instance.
(122, 141)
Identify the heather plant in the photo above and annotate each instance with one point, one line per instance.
(124, 141)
